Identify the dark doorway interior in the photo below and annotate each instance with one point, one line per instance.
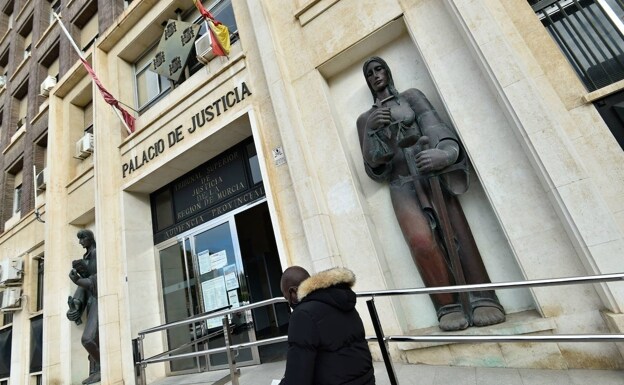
(263, 271)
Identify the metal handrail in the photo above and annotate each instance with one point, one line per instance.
(511, 338)
(223, 349)
(493, 286)
(207, 316)
(380, 337)
(225, 314)
(188, 345)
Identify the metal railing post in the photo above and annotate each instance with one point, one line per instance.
(142, 379)
(382, 342)
(228, 351)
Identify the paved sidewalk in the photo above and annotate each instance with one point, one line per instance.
(425, 375)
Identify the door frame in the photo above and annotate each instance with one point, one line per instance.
(190, 234)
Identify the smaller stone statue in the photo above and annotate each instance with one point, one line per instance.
(84, 275)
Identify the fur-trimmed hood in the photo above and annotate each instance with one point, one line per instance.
(325, 279)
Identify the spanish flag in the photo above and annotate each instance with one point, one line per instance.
(219, 32)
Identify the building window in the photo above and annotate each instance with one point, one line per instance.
(22, 112)
(590, 34)
(39, 297)
(13, 193)
(149, 85)
(87, 21)
(53, 69)
(4, 66)
(89, 33)
(17, 193)
(7, 16)
(7, 317)
(88, 118)
(36, 343)
(222, 11)
(5, 352)
(27, 45)
(17, 199)
(55, 7)
(50, 61)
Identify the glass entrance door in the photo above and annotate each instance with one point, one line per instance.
(179, 298)
(222, 283)
(203, 272)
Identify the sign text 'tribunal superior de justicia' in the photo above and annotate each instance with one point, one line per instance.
(178, 134)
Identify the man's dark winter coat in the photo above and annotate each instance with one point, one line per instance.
(326, 340)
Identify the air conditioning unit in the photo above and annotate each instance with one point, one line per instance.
(47, 85)
(11, 271)
(20, 123)
(2, 80)
(11, 299)
(203, 47)
(84, 146)
(42, 179)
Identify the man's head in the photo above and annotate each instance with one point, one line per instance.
(291, 279)
(86, 238)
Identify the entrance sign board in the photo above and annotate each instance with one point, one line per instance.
(216, 187)
(168, 138)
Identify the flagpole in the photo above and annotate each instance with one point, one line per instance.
(79, 52)
(35, 185)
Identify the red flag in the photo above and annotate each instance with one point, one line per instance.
(219, 33)
(128, 120)
(109, 98)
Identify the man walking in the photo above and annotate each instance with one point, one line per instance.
(326, 340)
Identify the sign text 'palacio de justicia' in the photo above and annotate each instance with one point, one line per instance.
(179, 133)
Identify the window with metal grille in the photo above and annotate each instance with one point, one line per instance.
(150, 86)
(590, 33)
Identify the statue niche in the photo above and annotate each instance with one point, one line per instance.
(405, 143)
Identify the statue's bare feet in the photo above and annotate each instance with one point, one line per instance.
(453, 321)
(487, 315)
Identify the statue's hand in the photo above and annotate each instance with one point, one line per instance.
(434, 159)
(380, 117)
(431, 160)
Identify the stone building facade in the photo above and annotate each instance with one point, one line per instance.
(251, 163)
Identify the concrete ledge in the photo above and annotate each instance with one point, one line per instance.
(525, 322)
(615, 323)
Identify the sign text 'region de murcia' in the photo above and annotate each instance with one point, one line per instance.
(198, 120)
